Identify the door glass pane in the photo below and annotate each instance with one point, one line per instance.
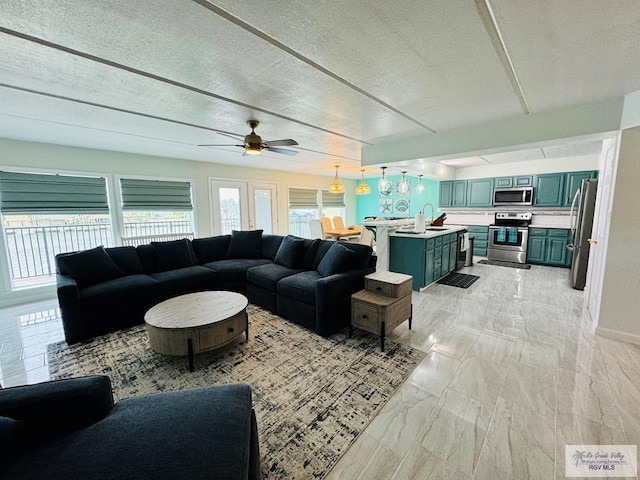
(263, 213)
(229, 209)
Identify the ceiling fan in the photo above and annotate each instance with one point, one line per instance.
(253, 143)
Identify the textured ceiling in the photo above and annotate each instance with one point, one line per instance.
(159, 77)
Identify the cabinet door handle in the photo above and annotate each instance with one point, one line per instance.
(363, 316)
(230, 330)
(378, 288)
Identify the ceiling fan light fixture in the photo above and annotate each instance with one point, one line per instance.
(252, 149)
(420, 187)
(336, 186)
(384, 186)
(363, 188)
(403, 185)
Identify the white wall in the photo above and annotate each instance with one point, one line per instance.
(620, 302)
(554, 165)
(16, 154)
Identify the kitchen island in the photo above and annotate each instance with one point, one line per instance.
(381, 230)
(427, 256)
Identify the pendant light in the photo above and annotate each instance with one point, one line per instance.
(363, 188)
(384, 186)
(336, 186)
(420, 187)
(403, 185)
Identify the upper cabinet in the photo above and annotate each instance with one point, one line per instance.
(480, 192)
(550, 189)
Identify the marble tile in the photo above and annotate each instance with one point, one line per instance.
(494, 348)
(355, 460)
(454, 342)
(531, 387)
(521, 442)
(457, 429)
(508, 325)
(434, 373)
(383, 464)
(401, 419)
(582, 359)
(486, 471)
(420, 463)
(536, 354)
(479, 379)
(593, 399)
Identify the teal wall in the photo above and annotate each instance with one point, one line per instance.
(367, 205)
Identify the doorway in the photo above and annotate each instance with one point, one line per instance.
(238, 205)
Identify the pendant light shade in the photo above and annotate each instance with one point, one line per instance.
(336, 186)
(384, 185)
(420, 187)
(403, 185)
(363, 188)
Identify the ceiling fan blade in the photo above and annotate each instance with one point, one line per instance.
(284, 151)
(231, 135)
(220, 145)
(281, 143)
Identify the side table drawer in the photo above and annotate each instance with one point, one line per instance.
(381, 288)
(365, 316)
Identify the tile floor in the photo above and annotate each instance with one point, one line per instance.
(512, 374)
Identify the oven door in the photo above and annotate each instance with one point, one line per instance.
(508, 238)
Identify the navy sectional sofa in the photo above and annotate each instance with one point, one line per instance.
(72, 429)
(309, 282)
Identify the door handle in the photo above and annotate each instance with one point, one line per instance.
(592, 241)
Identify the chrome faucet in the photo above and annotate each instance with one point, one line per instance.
(425, 206)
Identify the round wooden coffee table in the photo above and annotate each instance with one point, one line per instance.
(196, 322)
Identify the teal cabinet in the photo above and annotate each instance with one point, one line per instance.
(549, 190)
(408, 256)
(572, 184)
(480, 236)
(446, 193)
(459, 198)
(519, 181)
(548, 246)
(480, 192)
(444, 266)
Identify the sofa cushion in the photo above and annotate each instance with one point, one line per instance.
(301, 286)
(270, 246)
(121, 288)
(148, 258)
(13, 434)
(363, 254)
(173, 255)
(126, 258)
(291, 252)
(235, 271)
(268, 275)
(310, 250)
(245, 244)
(185, 280)
(337, 260)
(211, 249)
(89, 267)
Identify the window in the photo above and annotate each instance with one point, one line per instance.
(156, 208)
(304, 205)
(43, 215)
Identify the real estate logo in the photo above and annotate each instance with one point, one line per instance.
(601, 460)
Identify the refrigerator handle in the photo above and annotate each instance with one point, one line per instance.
(573, 215)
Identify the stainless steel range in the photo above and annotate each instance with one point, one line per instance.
(508, 237)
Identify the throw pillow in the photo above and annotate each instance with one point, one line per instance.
(211, 249)
(126, 258)
(291, 252)
(245, 244)
(338, 259)
(173, 255)
(89, 267)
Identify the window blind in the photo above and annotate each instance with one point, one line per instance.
(303, 198)
(155, 195)
(332, 199)
(41, 193)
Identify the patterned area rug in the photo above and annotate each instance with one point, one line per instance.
(312, 396)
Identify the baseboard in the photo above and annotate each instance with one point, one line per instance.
(618, 335)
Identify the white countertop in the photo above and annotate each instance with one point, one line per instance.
(380, 223)
(429, 233)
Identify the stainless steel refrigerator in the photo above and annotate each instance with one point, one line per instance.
(581, 220)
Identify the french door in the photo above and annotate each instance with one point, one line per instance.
(237, 205)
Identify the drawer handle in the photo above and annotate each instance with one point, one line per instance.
(378, 288)
(363, 316)
(230, 330)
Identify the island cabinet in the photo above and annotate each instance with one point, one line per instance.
(427, 260)
(548, 246)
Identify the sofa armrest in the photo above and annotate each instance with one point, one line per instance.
(333, 299)
(59, 406)
(69, 301)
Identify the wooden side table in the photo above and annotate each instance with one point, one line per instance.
(383, 305)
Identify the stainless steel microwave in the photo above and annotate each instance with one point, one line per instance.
(513, 196)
